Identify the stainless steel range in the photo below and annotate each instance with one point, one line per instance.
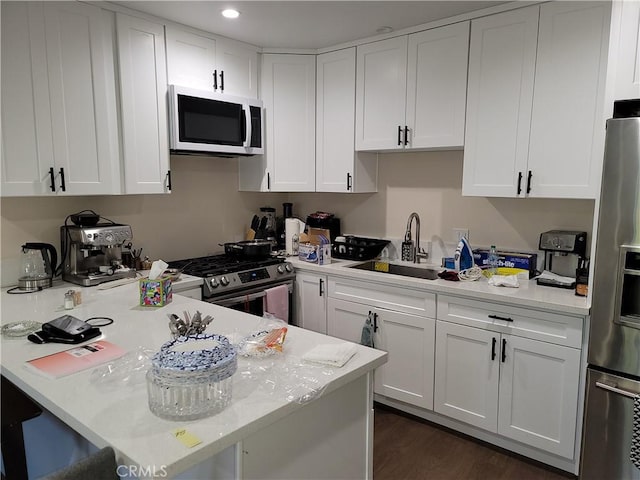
(238, 282)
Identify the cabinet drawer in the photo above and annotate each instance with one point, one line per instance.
(545, 326)
(384, 296)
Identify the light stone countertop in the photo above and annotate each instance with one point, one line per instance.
(528, 295)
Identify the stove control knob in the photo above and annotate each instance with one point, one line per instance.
(214, 283)
(280, 269)
(224, 281)
(288, 268)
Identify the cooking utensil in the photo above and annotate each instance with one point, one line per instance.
(255, 223)
(249, 248)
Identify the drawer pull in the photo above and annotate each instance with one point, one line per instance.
(498, 317)
(493, 349)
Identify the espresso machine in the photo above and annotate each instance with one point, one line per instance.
(564, 253)
(93, 254)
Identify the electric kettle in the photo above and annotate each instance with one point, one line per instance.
(38, 265)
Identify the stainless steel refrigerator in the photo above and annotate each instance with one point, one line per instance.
(613, 374)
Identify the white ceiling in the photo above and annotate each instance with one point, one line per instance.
(305, 24)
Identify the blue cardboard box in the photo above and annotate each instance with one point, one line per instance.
(509, 263)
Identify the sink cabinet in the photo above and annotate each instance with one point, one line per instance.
(404, 328)
(59, 113)
(535, 101)
(509, 371)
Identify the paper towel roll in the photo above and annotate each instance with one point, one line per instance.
(291, 229)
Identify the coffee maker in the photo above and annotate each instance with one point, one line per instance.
(93, 254)
(564, 253)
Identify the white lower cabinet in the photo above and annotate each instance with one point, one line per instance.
(310, 309)
(407, 338)
(517, 387)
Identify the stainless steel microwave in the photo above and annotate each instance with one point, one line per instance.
(211, 123)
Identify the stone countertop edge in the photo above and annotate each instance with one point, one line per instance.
(529, 294)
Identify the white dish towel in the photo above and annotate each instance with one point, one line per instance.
(334, 354)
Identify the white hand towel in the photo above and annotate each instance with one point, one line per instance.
(332, 354)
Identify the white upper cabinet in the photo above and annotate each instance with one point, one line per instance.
(502, 60)
(411, 90)
(208, 63)
(59, 116)
(289, 96)
(143, 90)
(437, 86)
(535, 118)
(625, 24)
(339, 168)
(567, 127)
(381, 94)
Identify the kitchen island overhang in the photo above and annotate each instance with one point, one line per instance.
(257, 436)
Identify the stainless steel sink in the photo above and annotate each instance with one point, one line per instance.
(404, 270)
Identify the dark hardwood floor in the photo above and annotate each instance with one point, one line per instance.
(406, 447)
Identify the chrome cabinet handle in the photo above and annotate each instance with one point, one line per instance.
(617, 390)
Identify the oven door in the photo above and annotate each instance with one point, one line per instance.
(252, 300)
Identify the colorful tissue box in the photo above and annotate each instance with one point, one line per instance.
(155, 293)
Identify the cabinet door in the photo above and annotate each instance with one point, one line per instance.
(289, 96)
(502, 60)
(311, 302)
(238, 64)
(567, 125)
(335, 113)
(626, 24)
(467, 373)
(143, 87)
(381, 94)
(346, 319)
(191, 59)
(437, 86)
(27, 143)
(410, 342)
(81, 76)
(539, 394)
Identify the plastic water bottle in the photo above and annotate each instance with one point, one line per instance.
(492, 261)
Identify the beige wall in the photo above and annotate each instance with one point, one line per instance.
(206, 209)
(430, 183)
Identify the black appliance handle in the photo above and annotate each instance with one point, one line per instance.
(62, 186)
(529, 175)
(498, 317)
(49, 254)
(493, 348)
(52, 178)
(519, 183)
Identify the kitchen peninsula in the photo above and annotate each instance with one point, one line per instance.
(261, 434)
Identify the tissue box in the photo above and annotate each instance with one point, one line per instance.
(155, 293)
(315, 247)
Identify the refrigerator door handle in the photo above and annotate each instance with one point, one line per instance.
(617, 390)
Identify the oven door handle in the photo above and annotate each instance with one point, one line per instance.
(247, 297)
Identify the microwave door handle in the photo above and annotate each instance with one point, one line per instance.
(247, 122)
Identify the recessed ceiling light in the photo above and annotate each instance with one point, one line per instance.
(230, 13)
(384, 29)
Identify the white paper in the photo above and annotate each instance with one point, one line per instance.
(331, 354)
(157, 269)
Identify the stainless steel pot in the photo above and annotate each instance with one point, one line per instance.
(249, 248)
